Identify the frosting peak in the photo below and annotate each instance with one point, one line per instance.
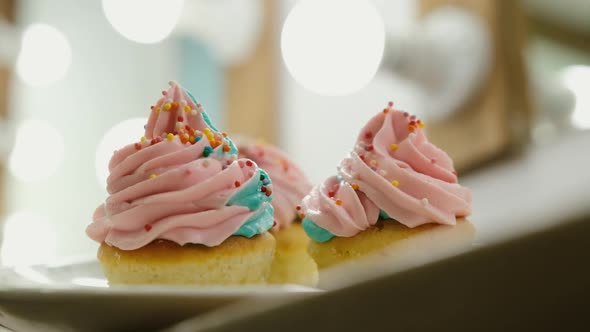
(393, 172)
(181, 182)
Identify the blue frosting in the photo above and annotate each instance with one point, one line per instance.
(250, 194)
(253, 198)
(383, 215)
(233, 149)
(257, 224)
(322, 235)
(205, 116)
(316, 232)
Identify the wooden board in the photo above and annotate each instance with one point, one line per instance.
(497, 118)
(6, 12)
(252, 86)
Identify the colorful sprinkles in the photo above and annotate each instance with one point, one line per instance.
(364, 149)
(207, 151)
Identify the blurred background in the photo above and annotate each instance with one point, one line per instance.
(504, 87)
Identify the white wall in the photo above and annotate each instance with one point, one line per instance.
(110, 80)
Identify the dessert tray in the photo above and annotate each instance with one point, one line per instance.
(76, 296)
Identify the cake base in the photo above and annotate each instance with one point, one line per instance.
(238, 260)
(382, 240)
(292, 264)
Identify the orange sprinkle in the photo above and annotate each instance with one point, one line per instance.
(226, 148)
(386, 110)
(191, 139)
(338, 202)
(174, 105)
(224, 134)
(302, 216)
(355, 186)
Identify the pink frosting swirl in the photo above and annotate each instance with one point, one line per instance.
(290, 184)
(393, 169)
(175, 184)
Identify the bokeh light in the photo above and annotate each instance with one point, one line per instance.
(45, 55)
(143, 21)
(577, 79)
(333, 47)
(29, 161)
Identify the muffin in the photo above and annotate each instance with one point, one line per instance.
(393, 187)
(292, 264)
(183, 208)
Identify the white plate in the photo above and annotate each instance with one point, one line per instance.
(76, 297)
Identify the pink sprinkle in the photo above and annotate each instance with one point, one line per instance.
(250, 174)
(390, 104)
(164, 92)
(147, 227)
(406, 114)
(433, 160)
(241, 163)
(188, 172)
(413, 117)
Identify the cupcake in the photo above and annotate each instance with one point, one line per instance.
(292, 264)
(183, 209)
(393, 187)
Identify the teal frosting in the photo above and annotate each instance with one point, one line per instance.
(316, 232)
(205, 116)
(257, 224)
(322, 235)
(253, 198)
(383, 215)
(250, 194)
(219, 151)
